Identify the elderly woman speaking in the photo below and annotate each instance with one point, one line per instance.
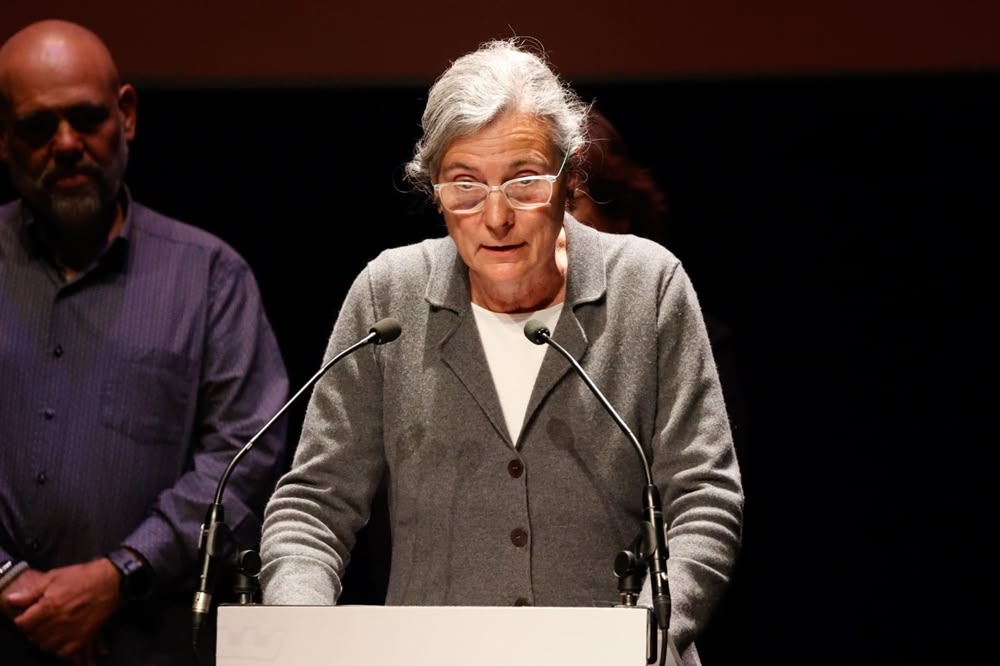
(508, 482)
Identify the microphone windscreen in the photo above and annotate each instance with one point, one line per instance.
(536, 331)
(386, 330)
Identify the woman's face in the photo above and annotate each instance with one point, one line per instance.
(511, 253)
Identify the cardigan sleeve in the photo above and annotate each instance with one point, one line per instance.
(318, 506)
(694, 463)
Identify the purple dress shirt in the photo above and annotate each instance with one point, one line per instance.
(124, 394)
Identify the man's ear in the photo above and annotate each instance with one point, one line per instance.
(127, 105)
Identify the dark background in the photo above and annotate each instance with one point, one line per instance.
(834, 201)
(840, 227)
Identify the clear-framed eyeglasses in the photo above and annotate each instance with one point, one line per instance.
(468, 196)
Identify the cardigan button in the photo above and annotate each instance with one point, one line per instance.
(515, 468)
(518, 537)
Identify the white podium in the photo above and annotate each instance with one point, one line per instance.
(430, 635)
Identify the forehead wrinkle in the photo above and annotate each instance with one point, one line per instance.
(459, 164)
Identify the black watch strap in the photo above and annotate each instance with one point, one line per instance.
(136, 575)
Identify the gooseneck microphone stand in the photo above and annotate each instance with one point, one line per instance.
(216, 541)
(648, 552)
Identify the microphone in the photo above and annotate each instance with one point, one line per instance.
(215, 537)
(652, 505)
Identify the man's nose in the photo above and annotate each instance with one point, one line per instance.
(66, 138)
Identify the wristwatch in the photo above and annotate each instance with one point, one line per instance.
(137, 577)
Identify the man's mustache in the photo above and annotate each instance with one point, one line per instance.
(55, 172)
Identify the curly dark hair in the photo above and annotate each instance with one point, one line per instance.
(625, 196)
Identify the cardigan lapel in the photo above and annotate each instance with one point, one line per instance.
(586, 285)
(452, 326)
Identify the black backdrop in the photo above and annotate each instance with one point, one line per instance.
(839, 227)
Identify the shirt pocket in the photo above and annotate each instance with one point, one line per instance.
(147, 396)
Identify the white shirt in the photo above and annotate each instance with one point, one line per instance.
(513, 359)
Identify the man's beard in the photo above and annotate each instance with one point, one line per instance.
(80, 207)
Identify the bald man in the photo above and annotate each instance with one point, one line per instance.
(136, 360)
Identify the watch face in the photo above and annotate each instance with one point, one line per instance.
(138, 581)
(137, 578)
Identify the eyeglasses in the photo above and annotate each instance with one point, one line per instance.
(468, 196)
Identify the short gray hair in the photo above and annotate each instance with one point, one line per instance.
(500, 75)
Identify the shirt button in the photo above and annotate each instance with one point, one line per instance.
(49, 413)
(41, 478)
(518, 537)
(521, 601)
(58, 351)
(515, 468)
(35, 545)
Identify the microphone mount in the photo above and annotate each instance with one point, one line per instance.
(216, 542)
(649, 549)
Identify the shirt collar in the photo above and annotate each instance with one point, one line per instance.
(113, 256)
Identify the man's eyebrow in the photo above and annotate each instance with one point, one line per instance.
(61, 111)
